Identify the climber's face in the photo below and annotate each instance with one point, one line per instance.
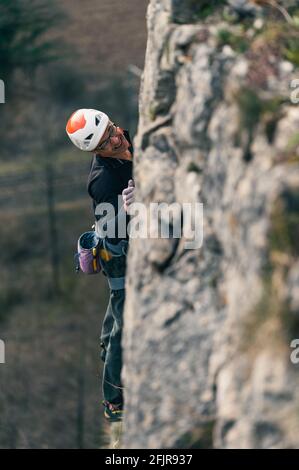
(113, 143)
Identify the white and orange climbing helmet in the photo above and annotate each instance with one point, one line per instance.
(86, 127)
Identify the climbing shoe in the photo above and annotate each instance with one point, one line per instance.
(112, 412)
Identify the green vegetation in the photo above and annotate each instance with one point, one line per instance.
(271, 322)
(284, 236)
(237, 41)
(271, 113)
(293, 11)
(193, 167)
(278, 37)
(291, 154)
(230, 16)
(272, 319)
(250, 106)
(264, 324)
(203, 9)
(23, 25)
(197, 10)
(198, 438)
(152, 112)
(254, 110)
(291, 49)
(282, 37)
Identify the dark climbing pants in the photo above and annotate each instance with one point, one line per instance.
(111, 347)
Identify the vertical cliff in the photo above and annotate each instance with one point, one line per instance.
(207, 331)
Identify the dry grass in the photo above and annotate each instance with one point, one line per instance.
(108, 34)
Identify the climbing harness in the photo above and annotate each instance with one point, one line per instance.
(96, 254)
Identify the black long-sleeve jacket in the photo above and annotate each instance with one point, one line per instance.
(108, 177)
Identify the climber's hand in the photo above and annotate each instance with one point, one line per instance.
(128, 195)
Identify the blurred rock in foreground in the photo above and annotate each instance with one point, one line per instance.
(208, 331)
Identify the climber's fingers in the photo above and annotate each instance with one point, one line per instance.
(128, 191)
(128, 194)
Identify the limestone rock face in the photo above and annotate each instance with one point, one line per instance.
(208, 331)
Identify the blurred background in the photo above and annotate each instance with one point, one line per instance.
(54, 58)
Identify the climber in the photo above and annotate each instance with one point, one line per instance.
(110, 176)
